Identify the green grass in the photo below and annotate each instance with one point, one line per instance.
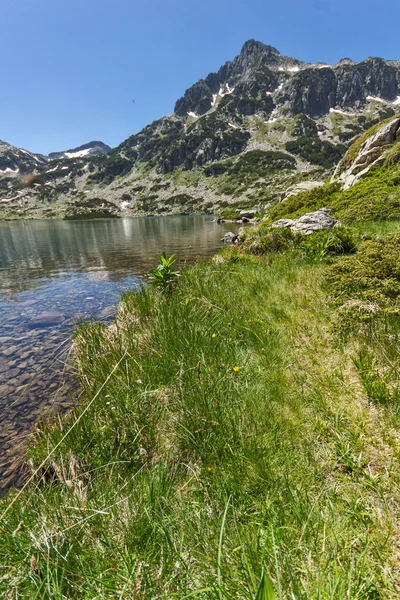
(224, 432)
(235, 176)
(184, 178)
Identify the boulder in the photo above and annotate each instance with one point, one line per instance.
(229, 238)
(372, 152)
(247, 214)
(315, 221)
(46, 319)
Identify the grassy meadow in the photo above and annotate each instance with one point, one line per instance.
(239, 427)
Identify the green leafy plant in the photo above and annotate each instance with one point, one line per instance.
(162, 275)
(318, 245)
(373, 383)
(265, 590)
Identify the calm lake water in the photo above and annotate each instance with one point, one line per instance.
(54, 274)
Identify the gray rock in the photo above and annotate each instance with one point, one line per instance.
(9, 351)
(372, 152)
(5, 390)
(229, 238)
(247, 214)
(4, 367)
(108, 311)
(46, 319)
(80, 317)
(303, 186)
(25, 378)
(315, 221)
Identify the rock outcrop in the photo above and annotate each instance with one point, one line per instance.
(309, 223)
(371, 152)
(303, 186)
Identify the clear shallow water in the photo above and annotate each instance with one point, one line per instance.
(54, 274)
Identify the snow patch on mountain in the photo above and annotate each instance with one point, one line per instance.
(342, 112)
(9, 170)
(224, 90)
(79, 154)
(376, 99)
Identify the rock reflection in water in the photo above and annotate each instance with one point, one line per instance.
(55, 273)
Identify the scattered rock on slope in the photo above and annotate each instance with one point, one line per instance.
(303, 186)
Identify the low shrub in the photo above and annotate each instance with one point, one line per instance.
(371, 276)
(316, 151)
(230, 214)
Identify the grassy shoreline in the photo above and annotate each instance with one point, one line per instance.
(226, 431)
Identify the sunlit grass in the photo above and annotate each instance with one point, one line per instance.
(234, 439)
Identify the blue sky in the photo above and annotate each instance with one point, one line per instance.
(71, 68)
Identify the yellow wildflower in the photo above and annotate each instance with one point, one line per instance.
(214, 335)
(236, 369)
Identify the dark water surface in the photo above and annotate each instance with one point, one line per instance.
(54, 274)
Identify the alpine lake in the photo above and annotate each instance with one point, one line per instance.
(55, 275)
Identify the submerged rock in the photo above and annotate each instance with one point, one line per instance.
(46, 319)
(108, 311)
(315, 221)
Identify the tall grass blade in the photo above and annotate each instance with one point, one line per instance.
(221, 536)
(265, 590)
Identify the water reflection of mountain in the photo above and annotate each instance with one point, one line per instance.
(31, 251)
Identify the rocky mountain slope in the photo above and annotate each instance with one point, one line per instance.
(261, 124)
(15, 160)
(365, 185)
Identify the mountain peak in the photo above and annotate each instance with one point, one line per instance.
(90, 149)
(254, 47)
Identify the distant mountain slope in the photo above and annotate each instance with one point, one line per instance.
(239, 137)
(13, 160)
